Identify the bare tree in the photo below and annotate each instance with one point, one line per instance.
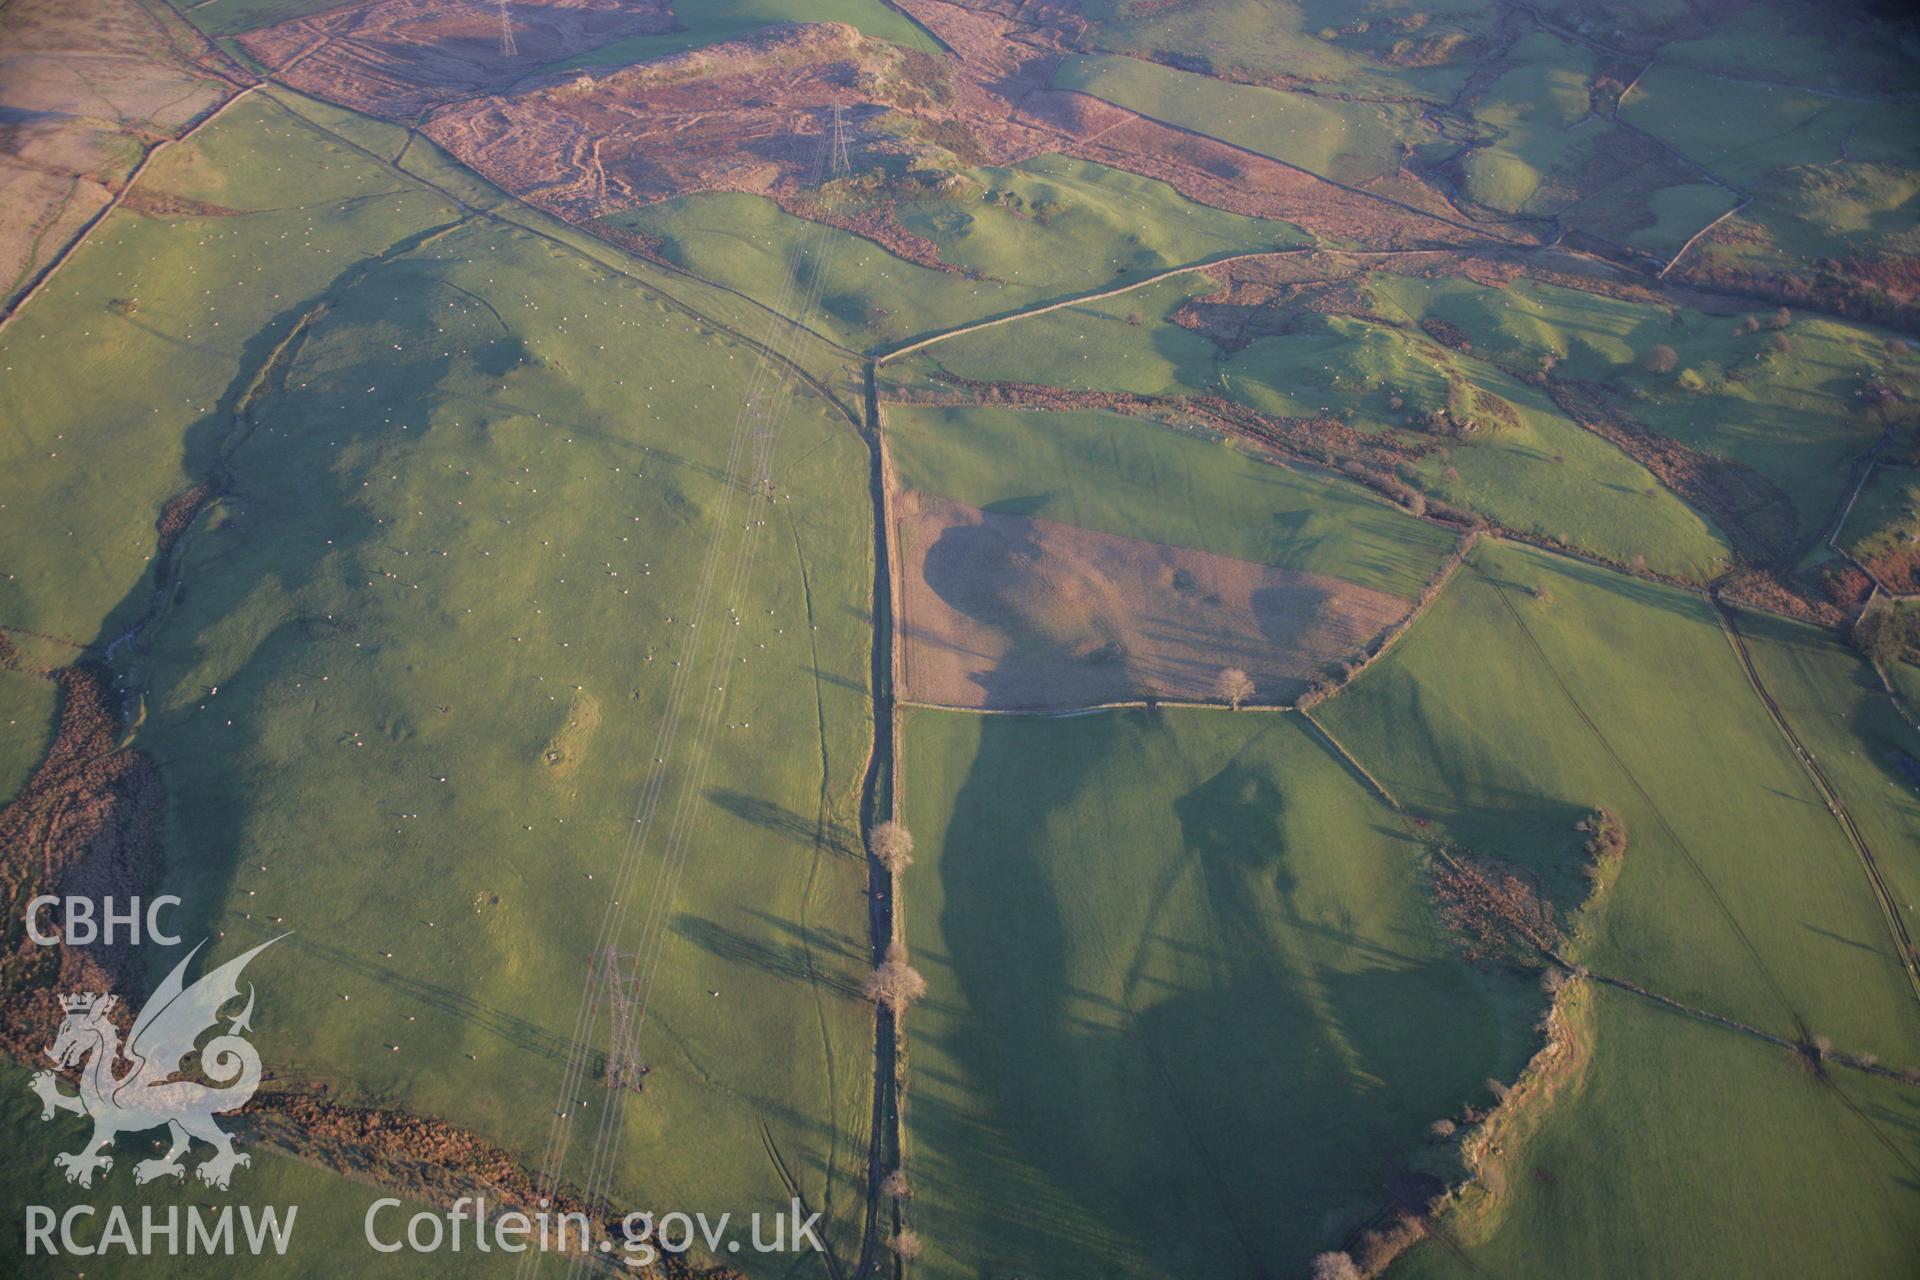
(895, 984)
(907, 1245)
(895, 1185)
(892, 844)
(1234, 685)
(1335, 1266)
(1662, 359)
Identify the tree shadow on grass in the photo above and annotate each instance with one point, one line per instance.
(1263, 1080)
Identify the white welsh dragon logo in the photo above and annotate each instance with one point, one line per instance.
(149, 1093)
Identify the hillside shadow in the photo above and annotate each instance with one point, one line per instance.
(1241, 1101)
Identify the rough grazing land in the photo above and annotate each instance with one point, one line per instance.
(1003, 610)
(396, 58)
(86, 89)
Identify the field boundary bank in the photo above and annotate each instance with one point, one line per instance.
(673, 300)
(1873, 463)
(1096, 708)
(100, 215)
(881, 801)
(1288, 251)
(1581, 970)
(1362, 192)
(1882, 895)
(1764, 969)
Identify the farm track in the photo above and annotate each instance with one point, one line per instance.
(880, 802)
(1896, 927)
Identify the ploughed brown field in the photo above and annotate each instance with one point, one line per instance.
(1005, 611)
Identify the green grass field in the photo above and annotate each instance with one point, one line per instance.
(1778, 40)
(174, 305)
(705, 23)
(26, 713)
(1905, 677)
(440, 599)
(1886, 517)
(478, 483)
(1840, 711)
(1679, 212)
(1538, 114)
(1188, 1009)
(1121, 475)
(1467, 721)
(1831, 176)
(1347, 142)
(712, 21)
(1653, 1164)
(1018, 238)
(1543, 474)
(1335, 45)
(231, 17)
(1790, 415)
(1743, 130)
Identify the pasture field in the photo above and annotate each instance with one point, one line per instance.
(1739, 893)
(1678, 212)
(1777, 40)
(707, 22)
(1654, 1161)
(1122, 343)
(1018, 238)
(501, 579)
(1546, 475)
(230, 17)
(1062, 226)
(1781, 402)
(1135, 479)
(1349, 142)
(868, 296)
(406, 688)
(462, 611)
(27, 708)
(1840, 711)
(174, 306)
(1829, 174)
(1742, 130)
(712, 21)
(187, 305)
(1174, 961)
(1540, 473)
(1369, 47)
(1538, 114)
(1884, 524)
(1470, 723)
(1905, 677)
